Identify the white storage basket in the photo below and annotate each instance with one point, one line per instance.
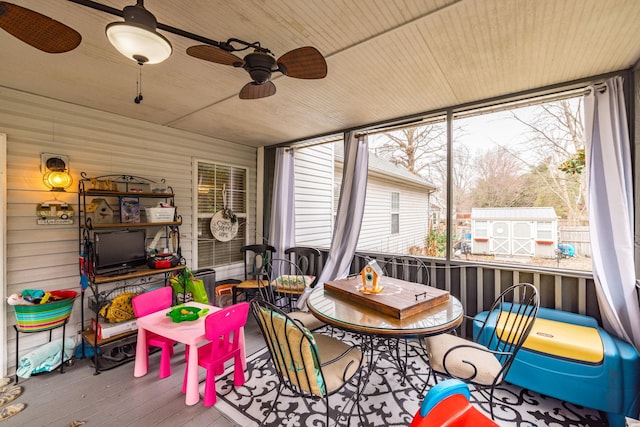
(160, 214)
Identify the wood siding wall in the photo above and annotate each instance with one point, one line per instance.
(375, 234)
(314, 195)
(46, 256)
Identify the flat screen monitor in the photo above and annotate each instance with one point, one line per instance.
(119, 251)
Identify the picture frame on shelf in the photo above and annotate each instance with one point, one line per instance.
(129, 209)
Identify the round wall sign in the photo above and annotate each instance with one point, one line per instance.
(222, 228)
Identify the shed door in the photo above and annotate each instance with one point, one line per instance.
(500, 238)
(522, 237)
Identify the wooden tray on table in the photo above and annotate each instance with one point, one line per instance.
(398, 298)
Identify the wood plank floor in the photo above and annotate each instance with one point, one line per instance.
(116, 398)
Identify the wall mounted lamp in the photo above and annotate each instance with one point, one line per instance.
(56, 172)
(137, 38)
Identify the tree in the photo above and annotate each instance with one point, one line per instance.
(462, 178)
(574, 164)
(418, 149)
(555, 144)
(500, 181)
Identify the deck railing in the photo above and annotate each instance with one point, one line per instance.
(477, 285)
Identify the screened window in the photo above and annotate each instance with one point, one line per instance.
(408, 162)
(219, 187)
(513, 181)
(514, 172)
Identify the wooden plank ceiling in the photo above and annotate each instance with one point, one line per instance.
(386, 59)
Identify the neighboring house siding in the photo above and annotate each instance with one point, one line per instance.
(314, 196)
(316, 182)
(46, 256)
(375, 234)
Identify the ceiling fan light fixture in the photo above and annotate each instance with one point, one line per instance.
(137, 38)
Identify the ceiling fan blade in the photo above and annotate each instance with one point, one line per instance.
(254, 90)
(214, 54)
(303, 63)
(37, 30)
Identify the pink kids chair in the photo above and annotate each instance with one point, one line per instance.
(151, 302)
(222, 329)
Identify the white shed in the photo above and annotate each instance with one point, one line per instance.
(527, 231)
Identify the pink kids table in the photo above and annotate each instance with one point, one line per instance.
(190, 333)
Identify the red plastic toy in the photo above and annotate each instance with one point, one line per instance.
(447, 405)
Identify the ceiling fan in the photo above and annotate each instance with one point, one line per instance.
(301, 63)
(51, 36)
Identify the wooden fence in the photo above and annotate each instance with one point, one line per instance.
(578, 236)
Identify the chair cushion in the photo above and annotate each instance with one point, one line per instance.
(307, 319)
(292, 283)
(330, 348)
(566, 340)
(486, 363)
(303, 367)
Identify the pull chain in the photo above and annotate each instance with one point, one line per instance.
(138, 98)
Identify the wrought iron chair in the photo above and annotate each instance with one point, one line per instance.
(308, 365)
(287, 282)
(255, 258)
(307, 259)
(498, 335)
(407, 267)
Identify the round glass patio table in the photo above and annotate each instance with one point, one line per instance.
(340, 312)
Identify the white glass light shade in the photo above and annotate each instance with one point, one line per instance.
(138, 43)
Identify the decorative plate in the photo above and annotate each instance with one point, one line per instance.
(223, 228)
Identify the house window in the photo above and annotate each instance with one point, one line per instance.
(544, 230)
(434, 220)
(214, 182)
(481, 230)
(395, 213)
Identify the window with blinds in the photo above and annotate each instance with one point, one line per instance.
(220, 186)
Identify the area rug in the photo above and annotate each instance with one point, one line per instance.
(388, 399)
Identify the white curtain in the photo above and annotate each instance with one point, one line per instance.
(350, 211)
(611, 211)
(282, 234)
